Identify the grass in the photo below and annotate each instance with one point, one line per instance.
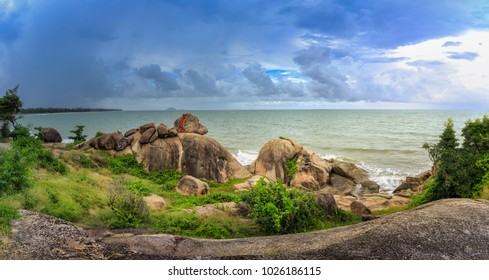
(391, 210)
(82, 195)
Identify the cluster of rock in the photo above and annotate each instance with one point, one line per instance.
(185, 148)
(182, 147)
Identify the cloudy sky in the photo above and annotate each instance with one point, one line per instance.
(246, 54)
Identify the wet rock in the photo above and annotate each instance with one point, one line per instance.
(371, 185)
(350, 171)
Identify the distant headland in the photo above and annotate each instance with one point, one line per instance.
(27, 111)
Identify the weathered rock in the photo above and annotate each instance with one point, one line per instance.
(145, 127)
(172, 132)
(413, 183)
(109, 141)
(163, 131)
(50, 135)
(340, 185)
(327, 202)
(358, 208)
(271, 161)
(147, 136)
(350, 171)
(41, 237)
(444, 229)
(155, 202)
(371, 185)
(249, 184)
(312, 171)
(189, 123)
(162, 154)
(189, 185)
(204, 157)
(131, 132)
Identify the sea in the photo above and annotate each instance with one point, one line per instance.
(387, 143)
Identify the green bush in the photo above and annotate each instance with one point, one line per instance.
(291, 167)
(32, 150)
(279, 210)
(78, 132)
(129, 208)
(14, 171)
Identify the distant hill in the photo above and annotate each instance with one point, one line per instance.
(27, 111)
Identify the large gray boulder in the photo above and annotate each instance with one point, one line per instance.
(350, 171)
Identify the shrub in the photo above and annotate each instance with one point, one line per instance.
(280, 210)
(291, 167)
(14, 172)
(129, 208)
(32, 150)
(79, 137)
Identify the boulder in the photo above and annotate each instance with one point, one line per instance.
(312, 171)
(161, 154)
(271, 161)
(350, 171)
(371, 185)
(340, 185)
(189, 123)
(172, 132)
(131, 132)
(359, 208)
(148, 135)
(189, 185)
(109, 141)
(50, 135)
(145, 127)
(163, 131)
(327, 202)
(204, 157)
(249, 184)
(155, 202)
(413, 183)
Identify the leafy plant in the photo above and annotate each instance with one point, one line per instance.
(79, 136)
(291, 167)
(129, 208)
(7, 214)
(279, 210)
(14, 171)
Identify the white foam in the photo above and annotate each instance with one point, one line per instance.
(246, 157)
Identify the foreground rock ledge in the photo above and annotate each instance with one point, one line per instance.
(445, 229)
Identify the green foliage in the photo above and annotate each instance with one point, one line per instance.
(129, 208)
(14, 171)
(189, 224)
(79, 137)
(291, 167)
(138, 187)
(127, 164)
(7, 214)
(32, 149)
(20, 132)
(460, 171)
(99, 133)
(279, 210)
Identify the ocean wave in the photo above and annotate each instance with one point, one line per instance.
(246, 157)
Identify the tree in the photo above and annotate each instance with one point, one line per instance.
(79, 137)
(10, 106)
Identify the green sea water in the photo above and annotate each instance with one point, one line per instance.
(385, 142)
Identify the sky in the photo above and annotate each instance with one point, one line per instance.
(246, 54)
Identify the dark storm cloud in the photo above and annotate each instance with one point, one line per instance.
(256, 75)
(78, 53)
(163, 80)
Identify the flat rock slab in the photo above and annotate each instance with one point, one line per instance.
(445, 229)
